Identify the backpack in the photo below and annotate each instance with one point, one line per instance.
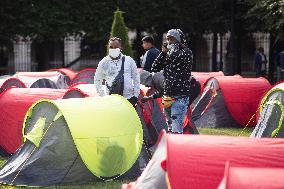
(117, 86)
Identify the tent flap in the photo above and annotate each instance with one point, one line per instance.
(35, 135)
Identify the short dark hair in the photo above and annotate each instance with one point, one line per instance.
(148, 39)
(261, 49)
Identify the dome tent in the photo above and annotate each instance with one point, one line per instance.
(253, 178)
(54, 80)
(229, 101)
(9, 82)
(86, 75)
(65, 144)
(70, 74)
(202, 164)
(81, 91)
(88, 90)
(14, 103)
(270, 122)
(152, 118)
(204, 76)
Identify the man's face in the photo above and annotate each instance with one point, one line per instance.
(146, 45)
(114, 44)
(171, 40)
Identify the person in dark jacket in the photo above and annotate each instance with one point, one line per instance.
(176, 61)
(260, 63)
(151, 53)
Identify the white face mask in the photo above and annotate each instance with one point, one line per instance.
(114, 53)
(170, 46)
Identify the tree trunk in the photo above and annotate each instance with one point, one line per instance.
(193, 40)
(138, 48)
(239, 55)
(221, 53)
(159, 38)
(214, 52)
(43, 54)
(102, 49)
(271, 59)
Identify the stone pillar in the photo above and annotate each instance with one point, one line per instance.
(209, 40)
(225, 41)
(72, 51)
(22, 54)
(11, 64)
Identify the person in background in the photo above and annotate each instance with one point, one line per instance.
(151, 53)
(260, 63)
(120, 73)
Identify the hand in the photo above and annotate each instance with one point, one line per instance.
(164, 48)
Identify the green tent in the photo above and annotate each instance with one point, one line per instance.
(271, 114)
(75, 141)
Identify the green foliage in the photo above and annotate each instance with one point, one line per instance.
(120, 30)
(54, 19)
(268, 15)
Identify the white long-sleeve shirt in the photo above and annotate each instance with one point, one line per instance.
(108, 69)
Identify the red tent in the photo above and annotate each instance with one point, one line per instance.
(81, 91)
(9, 82)
(229, 100)
(151, 116)
(211, 74)
(86, 75)
(14, 104)
(198, 161)
(204, 76)
(156, 107)
(253, 178)
(242, 96)
(202, 164)
(67, 72)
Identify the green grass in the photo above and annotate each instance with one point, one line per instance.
(97, 185)
(117, 184)
(227, 131)
(2, 160)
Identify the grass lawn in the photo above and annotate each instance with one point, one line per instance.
(117, 184)
(227, 131)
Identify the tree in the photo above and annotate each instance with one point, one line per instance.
(269, 16)
(120, 30)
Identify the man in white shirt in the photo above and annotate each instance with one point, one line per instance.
(109, 69)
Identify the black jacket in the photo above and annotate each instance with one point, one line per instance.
(177, 64)
(152, 54)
